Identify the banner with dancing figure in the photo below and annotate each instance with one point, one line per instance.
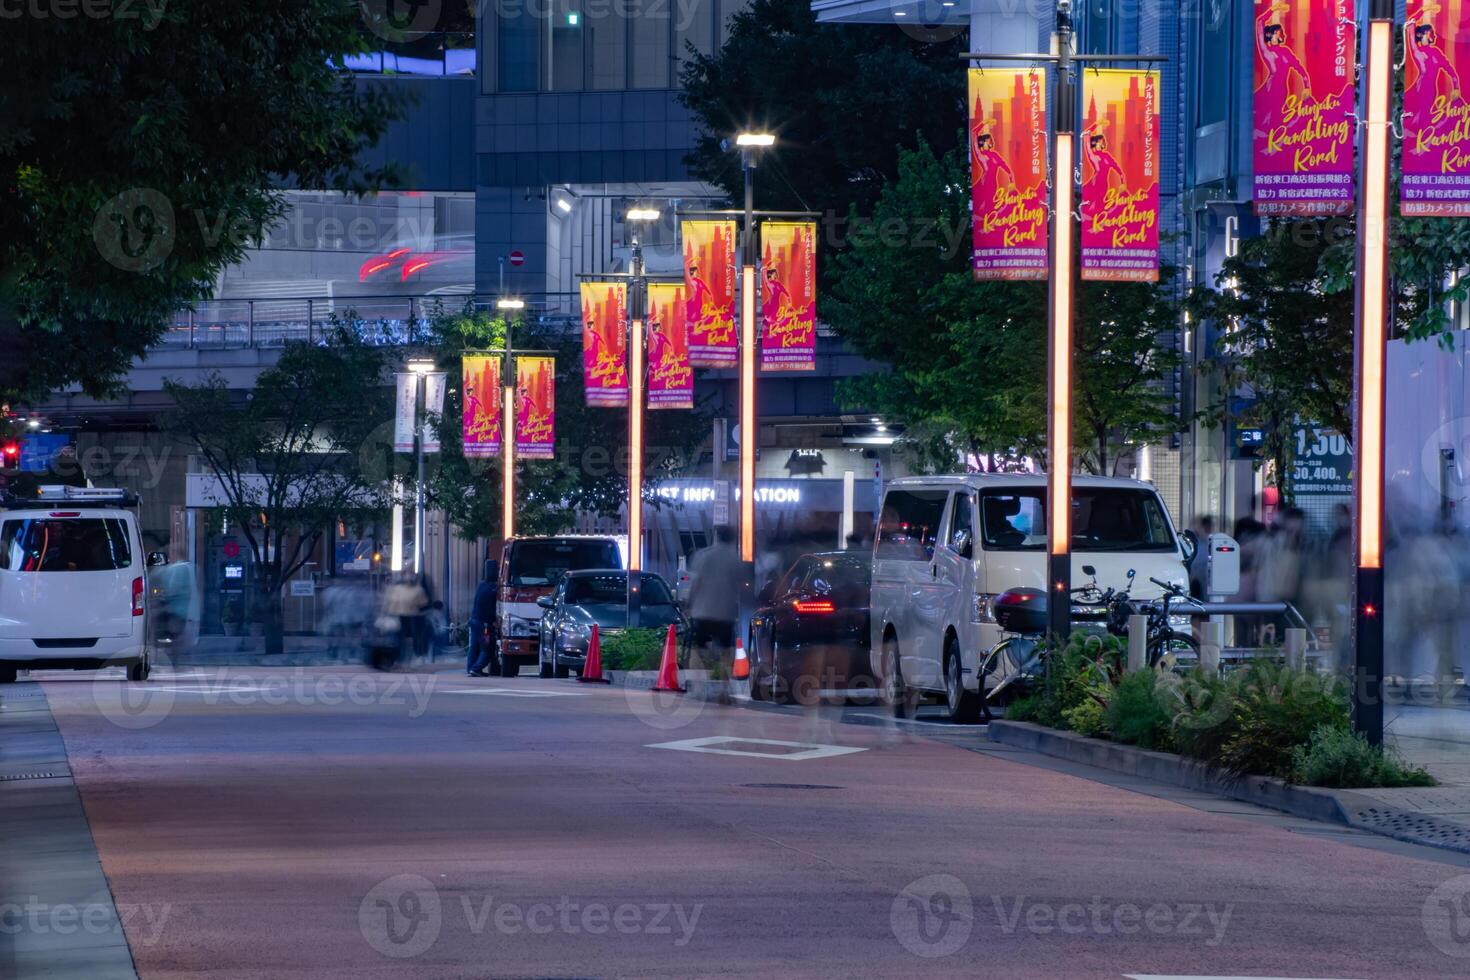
(605, 343)
(789, 296)
(670, 375)
(709, 293)
(1304, 106)
(480, 383)
(1436, 151)
(1120, 175)
(535, 407)
(1008, 164)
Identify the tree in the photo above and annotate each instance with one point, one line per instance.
(292, 457)
(842, 98)
(590, 471)
(138, 155)
(969, 359)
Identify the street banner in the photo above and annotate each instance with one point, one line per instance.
(605, 343)
(1436, 150)
(435, 385)
(1120, 175)
(535, 407)
(670, 375)
(709, 293)
(405, 398)
(1304, 106)
(789, 296)
(1008, 162)
(480, 382)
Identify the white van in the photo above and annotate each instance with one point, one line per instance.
(73, 583)
(947, 545)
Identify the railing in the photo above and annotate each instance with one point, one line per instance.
(224, 324)
(439, 53)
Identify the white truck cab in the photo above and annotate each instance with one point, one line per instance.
(73, 589)
(946, 546)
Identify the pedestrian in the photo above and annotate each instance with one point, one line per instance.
(714, 596)
(482, 622)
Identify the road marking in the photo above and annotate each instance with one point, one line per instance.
(712, 745)
(220, 690)
(508, 692)
(1163, 976)
(919, 721)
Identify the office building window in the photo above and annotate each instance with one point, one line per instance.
(517, 36)
(567, 59)
(651, 62)
(697, 28)
(608, 36)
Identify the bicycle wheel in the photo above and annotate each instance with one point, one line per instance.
(1171, 642)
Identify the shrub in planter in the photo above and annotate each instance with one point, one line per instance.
(1276, 710)
(1202, 711)
(1136, 715)
(1023, 708)
(1343, 759)
(1082, 670)
(1087, 717)
(635, 649)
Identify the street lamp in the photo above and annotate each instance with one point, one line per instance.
(637, 313)
(420, 366)
(508, 423)
(750, 145)
(1368, 381)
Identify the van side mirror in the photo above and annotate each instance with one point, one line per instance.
(157, 559)
(1191, 545)
(962, 544)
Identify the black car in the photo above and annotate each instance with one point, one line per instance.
(583, 598)
(810, 632)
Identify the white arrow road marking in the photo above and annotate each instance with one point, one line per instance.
(719, 745)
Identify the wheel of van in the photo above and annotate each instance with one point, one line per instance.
(139, 671)
(964, 706)
(903, 701)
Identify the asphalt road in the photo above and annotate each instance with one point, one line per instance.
(337, 823)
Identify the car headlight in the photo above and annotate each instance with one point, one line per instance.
(984, 611)
(579, 629)
(516, 626)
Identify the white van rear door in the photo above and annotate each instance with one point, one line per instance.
(66, 574)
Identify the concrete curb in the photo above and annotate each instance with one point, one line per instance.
(1337, 806)
(698, 688)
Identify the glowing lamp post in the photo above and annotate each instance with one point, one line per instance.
(637, 314)
(508, 423)
(1368, 384)
(750, 145)
(420, 366)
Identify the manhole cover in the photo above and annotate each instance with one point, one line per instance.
(1403, 824)
(788, 786)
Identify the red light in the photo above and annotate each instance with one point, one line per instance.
(65, 513)
(11, 449)
(813, 605)
(417, 265)
(1370, 610)
(137, 597)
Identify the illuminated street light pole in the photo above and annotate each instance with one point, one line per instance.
(750, 145)
(1061, 306)
(508, 423)
(637, 315)
(1368, 381)
(420, 366)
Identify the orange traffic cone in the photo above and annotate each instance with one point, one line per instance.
(668, 670)
(742, 662)
(592, 669)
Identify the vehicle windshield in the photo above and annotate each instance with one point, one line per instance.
(544, 562)
(612, 589)
(1103, 519)
(43, 544)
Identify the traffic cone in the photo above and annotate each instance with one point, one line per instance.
(741, 670)
(668, 670)
(592, 669)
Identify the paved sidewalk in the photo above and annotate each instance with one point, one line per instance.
(57, 916)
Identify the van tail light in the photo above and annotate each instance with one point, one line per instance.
(813, 605)
(137, 597)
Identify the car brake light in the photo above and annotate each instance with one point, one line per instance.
(137, 597)
(813, 605)
(65, 513)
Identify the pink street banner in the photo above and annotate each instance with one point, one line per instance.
(789, 296)
(1304, 107)
(1120, 176)
(1008, 161)
(480, 382)
(670, 376)
(1436, 150)
(535, 407)
(605, 343)
(709, 293)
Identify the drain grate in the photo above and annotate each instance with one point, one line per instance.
(788, 786)
(11, 777)
(1400, 823)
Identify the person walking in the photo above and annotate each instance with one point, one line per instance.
(714, 596)
(482, 622)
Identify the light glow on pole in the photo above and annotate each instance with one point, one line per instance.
(747, 413)
(508, 456)
(1373, 268)
(1059, 480)
(635, 447)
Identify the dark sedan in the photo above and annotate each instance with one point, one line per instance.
(810, 633)
(601, 597)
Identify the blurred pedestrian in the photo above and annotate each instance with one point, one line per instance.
(404, 601)
(714, 594)
(482, 621)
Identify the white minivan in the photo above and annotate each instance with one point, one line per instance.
(73, 583)
(947, 545)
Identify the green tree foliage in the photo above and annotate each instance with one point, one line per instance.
(842, 99)
(969, 359)
(137, 158)
(590, 471)
(306, 448)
